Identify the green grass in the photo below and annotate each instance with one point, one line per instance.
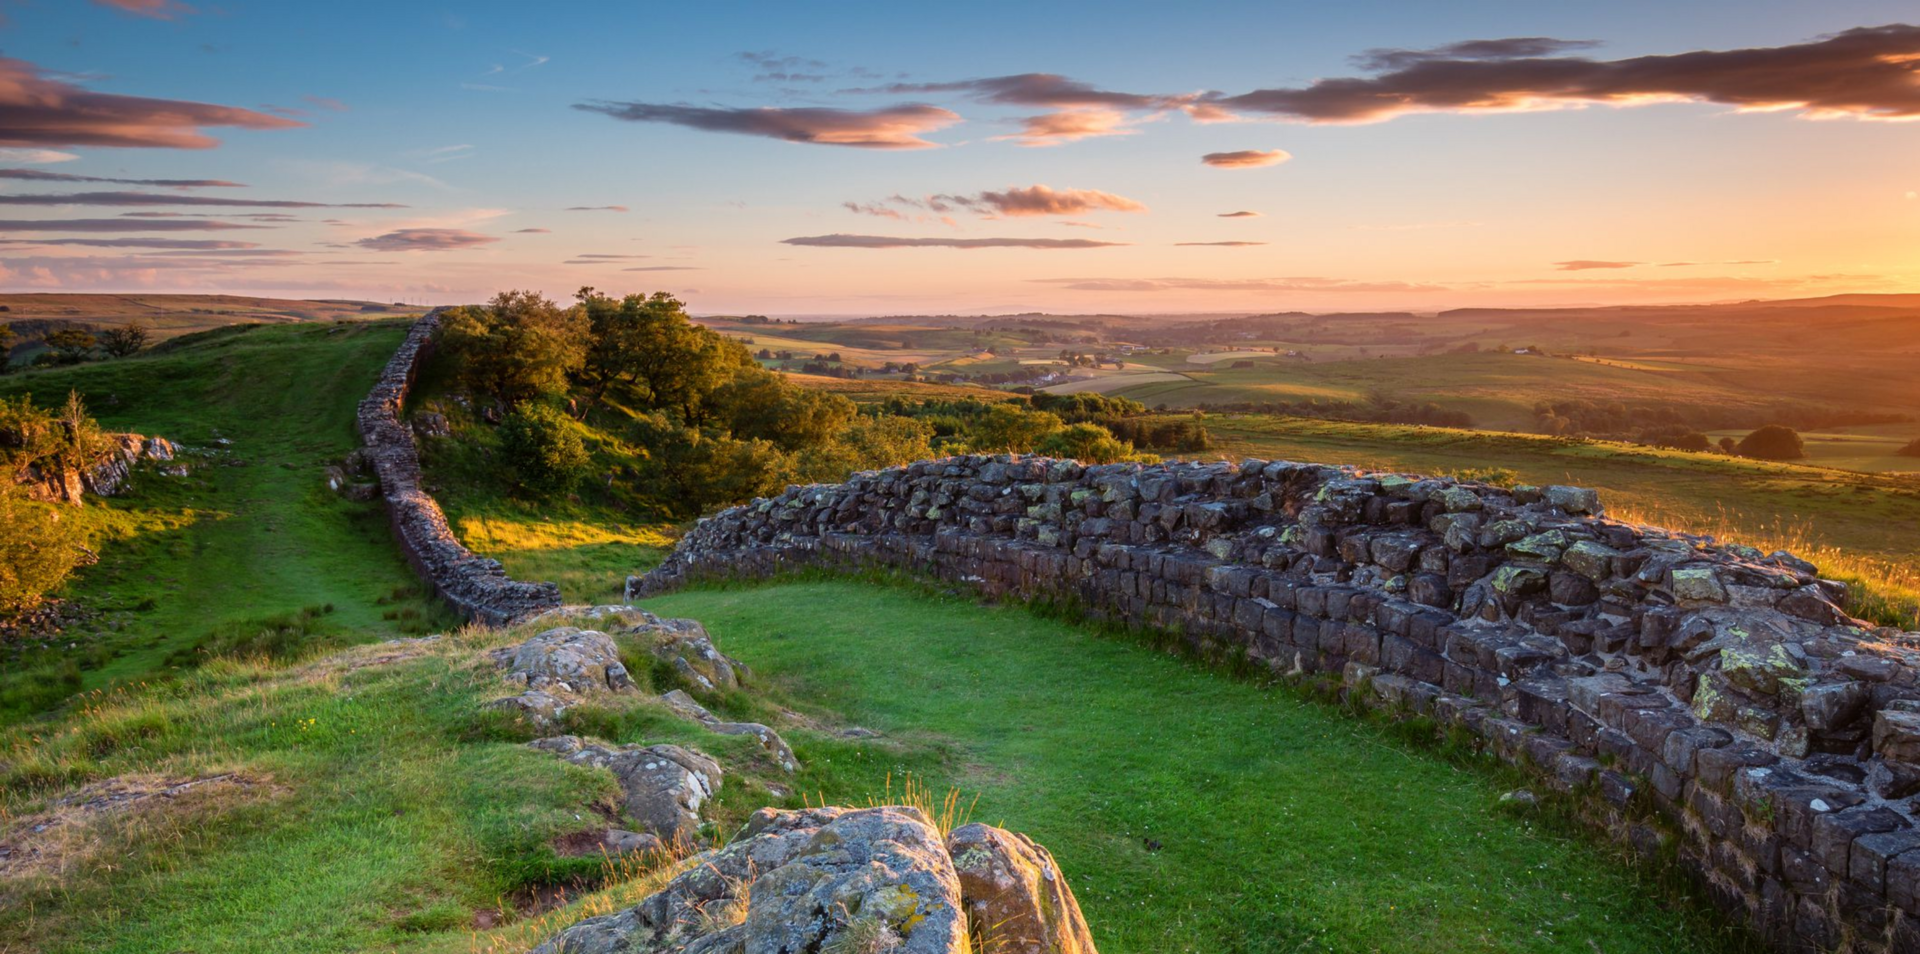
(1285, 825)
(253, 533)
(385, 808)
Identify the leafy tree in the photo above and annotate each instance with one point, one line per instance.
(761, 405)
(121, 341)
(1007, 428)
(39, 550)
(71, 345)
(1727, 445)
(870, 442)
(692, 471)
(518, 347)
(647, 351)
(1773, 442)
(544, 449)
(1088, 443)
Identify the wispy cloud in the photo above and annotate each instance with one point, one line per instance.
(37, 175)
(1239, 215)
(1011, 202)
(665, 268)
(1587, 264)
(35, 157)
(194, 244)
(893, 127)
(532, 231)
(157, 198)
(1246, 158)
(157, 9)
(1219, 244)
(1863, 73)
(1071, 125)
(426, 240)
(327, 103)
(120, 225)
(39, 110)
(441, 154)
(842, 240)
(596, 208)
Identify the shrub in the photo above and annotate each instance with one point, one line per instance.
(70, 345)
(38, 551)
(1773, 442)
(1006, 428)
(1087, 443)
(544, 450)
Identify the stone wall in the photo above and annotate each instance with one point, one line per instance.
(476, 586)
(1709, 699)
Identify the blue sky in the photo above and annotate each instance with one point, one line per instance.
(466, 114)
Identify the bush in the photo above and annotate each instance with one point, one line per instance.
(1087, 443)
(1773, 442)
(544, 450)
(38, 551)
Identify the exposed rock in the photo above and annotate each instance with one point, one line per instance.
(684, 645)
(663, 786)
(568, 660)
(1016, 899)
(685, 706)
(429, 424)
(824, 879)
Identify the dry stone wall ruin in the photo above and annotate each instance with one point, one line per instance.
(477, 587)
(1712, 701)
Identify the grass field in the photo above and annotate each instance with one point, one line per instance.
(378, 811)
(252, 534)
(170, 316)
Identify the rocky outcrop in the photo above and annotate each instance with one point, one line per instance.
(107, 476)
(835, 879)
(477, 587)
(1713, 699)
(662, 786)
(1016, 898)
(776, 747)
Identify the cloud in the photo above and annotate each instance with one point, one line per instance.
(1863, 73)
(842, 240)
(441, 154)
(1034, 89)
(592, 258)
(1743, 261)
(1221, 244)
(1585, 264)
(120, 225)
(157, 9)
(1070, 125)
(196, 244)
(893, 127)
(35, 157)
(1235, 284)
(1243, 214)
(327, 103)
(1509, 48)
(36, 175)
(38, 110)
(1012, 202)
(154, 198)
(251, 216)
(608, 255)
(775, 68)
(665, 268)
(1246, 158)
(343, 173)
(531, 231)
(596, 208)
(426, 240)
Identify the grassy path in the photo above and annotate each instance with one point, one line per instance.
(1281, 825)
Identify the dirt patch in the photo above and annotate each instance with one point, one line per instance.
(81, 822)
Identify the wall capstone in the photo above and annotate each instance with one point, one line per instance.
(475, 586)
(1708, 698)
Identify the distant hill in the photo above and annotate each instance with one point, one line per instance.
(32, 315)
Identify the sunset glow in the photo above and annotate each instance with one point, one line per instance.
(845, 160)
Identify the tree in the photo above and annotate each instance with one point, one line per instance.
(130, 338)
(37, 552)
(647, 351)
(71, 345)
(518, 347)
(1727, 446)
(544, 449)
(1773, 442)
(1911, 450)
(1087, 443)
(1009, 428)
(762, 405)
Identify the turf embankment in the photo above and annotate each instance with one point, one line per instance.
(382, 811)
(251, 548)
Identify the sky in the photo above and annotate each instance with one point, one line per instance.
(872, 159)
